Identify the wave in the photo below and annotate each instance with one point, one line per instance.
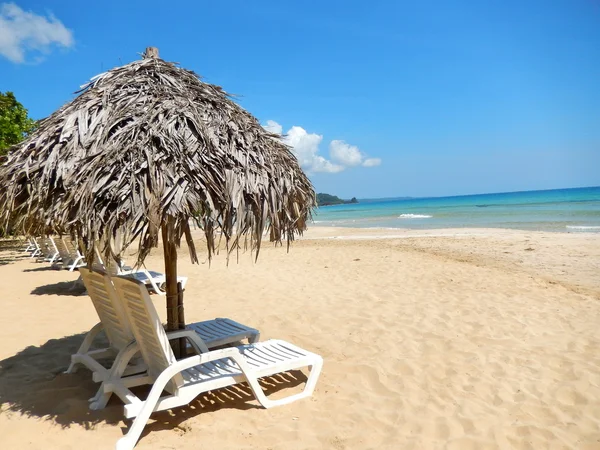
(414, 216)
(583, 227)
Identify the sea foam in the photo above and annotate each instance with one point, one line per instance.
(414, 216)
(583, 227)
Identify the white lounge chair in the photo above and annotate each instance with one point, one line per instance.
(71, 258)
(44, 250)
(30, 245)
(115, 324)
(49, 252)
(150, 278)
(53, 248)
(184, 380)
(77, 258)
(36, 250)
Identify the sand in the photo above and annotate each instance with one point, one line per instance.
(444, 339)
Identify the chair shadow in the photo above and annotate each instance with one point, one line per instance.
(41, 269)
(67, 288)
(33, 383)
(239, 396)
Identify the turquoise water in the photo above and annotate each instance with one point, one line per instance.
(566, 210)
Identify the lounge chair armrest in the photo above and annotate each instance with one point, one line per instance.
(195, 360)
(194, 338)
(89, 337)
(187, 363)
(213, 355)
(122, 360)
(176, 334)
(96, 329)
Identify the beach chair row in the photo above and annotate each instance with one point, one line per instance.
(63, 253)
(60, 252)
(139, 353)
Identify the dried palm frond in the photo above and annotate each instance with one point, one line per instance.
(147, 144)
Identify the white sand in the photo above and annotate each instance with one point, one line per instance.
(484, 341)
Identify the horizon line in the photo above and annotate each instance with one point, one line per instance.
(406, 197)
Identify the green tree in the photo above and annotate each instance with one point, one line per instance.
(15, 124)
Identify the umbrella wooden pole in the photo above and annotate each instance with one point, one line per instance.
(181, 324)
(175, 318)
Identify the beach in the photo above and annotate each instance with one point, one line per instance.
(431, 339)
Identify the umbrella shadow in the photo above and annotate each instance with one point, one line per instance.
(11, 253)
(33, 384)
(13, 245)
(7, 260)
(72, 288)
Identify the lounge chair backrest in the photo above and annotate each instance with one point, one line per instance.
(71, 247)
(147, 328)
(62, 250)
(111, 269)
(109, 308)
(52, 244)
(46, 246)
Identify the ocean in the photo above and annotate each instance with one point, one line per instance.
(564, 210)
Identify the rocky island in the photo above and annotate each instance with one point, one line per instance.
(328, 199)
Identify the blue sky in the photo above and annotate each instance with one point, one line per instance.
(379, 98)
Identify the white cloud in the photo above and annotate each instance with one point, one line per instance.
(273, 127)
(345, 154)
(371, 162)
(22, 32)
(306, 148)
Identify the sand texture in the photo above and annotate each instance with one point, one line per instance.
(446, 339)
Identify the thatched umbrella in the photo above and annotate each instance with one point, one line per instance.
(147, 147)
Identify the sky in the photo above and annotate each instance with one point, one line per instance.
(377, 99)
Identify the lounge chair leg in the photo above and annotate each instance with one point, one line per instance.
(75, 263)
(128, 441)
(100, 400)
(85, 345)
(117, 370)
(254, 338)
(53, 258)
(93, 399)
(72, 367)
(311, 382)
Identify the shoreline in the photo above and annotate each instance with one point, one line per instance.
(323, 232)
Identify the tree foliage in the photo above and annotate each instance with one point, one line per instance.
(15, 123)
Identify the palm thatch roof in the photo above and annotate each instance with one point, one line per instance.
(149, 144)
